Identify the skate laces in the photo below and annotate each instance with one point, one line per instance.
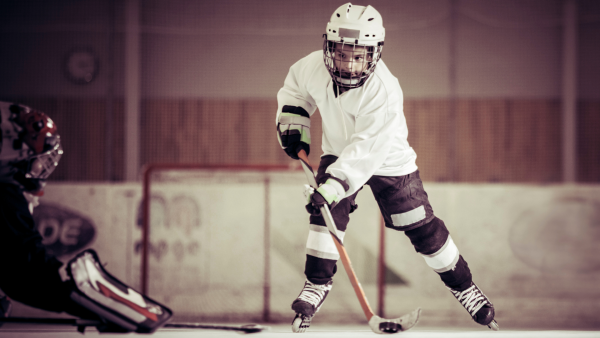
(314, 293)
(471, 299)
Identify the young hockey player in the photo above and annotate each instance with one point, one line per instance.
(30, 150)
(364, 142)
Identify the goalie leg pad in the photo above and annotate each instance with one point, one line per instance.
(98, 291)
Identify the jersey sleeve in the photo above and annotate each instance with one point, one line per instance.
(376, 126)
(294, 93)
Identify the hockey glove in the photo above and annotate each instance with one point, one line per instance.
(329, 193)
(293, 130)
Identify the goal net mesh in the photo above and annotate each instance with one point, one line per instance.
(206, 253)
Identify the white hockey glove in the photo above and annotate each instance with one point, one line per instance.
(329, 193)
(293, 130)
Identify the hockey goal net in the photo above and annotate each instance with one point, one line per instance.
(206, 239)
(227, 243)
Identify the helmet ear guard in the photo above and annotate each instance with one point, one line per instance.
(355, 26)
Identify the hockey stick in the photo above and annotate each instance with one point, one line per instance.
(247, 328)
(81, 324)
(377, 324)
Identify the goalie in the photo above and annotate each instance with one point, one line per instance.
(30, 150)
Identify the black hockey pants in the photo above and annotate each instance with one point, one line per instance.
(405, 207)
(27, 273)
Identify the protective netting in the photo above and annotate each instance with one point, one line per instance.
(482, 82)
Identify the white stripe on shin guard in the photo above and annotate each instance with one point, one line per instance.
(320, 243)
(444, 259)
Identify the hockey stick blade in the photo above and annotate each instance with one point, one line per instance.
(382, 325)
(248, 328)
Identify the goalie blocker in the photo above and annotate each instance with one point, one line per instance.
(98, 291)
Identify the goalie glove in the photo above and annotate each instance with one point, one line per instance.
(329, 193)
(293, 130)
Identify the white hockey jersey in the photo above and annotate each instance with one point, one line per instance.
(364, 127)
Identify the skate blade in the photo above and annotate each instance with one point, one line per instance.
(382, 325)
(300, 323)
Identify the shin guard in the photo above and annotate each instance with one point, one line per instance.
(98, 291)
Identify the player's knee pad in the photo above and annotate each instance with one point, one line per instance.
(99, 292)
(430, 237)
(320, 243)
(434, 243)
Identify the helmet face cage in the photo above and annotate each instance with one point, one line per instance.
(40, 166)
(350, 64)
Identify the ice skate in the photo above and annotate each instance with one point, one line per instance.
(308, 303)
(478, 305)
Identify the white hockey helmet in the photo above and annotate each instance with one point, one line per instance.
(357, 29)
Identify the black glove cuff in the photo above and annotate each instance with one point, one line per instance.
(323, 178)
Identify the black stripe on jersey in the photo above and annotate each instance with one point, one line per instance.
(295, 110)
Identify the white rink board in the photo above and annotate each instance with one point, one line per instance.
(531, 248)
(210, 257)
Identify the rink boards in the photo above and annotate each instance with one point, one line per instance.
(235, 250)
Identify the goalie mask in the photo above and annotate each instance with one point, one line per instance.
(352, 44)
(35, 150)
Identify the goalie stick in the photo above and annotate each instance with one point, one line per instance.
(82, 324)
(247, 328)
(376, 323)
